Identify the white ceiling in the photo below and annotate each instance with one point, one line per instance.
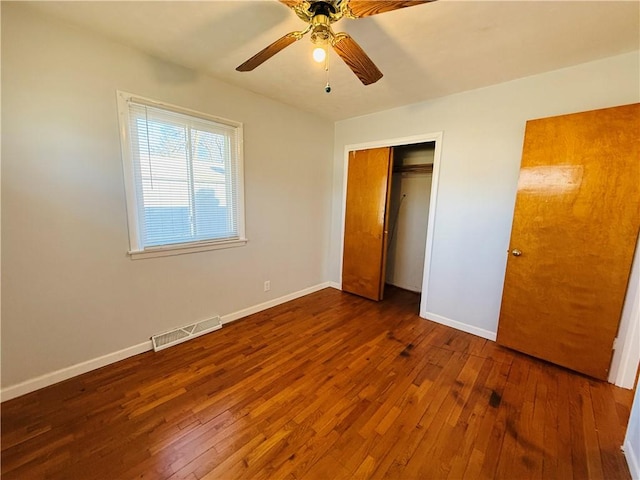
(425, 52)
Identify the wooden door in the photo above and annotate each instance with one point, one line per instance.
(365, 224)
(574, 232)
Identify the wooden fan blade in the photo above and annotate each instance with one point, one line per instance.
(366, 8)
(268, 52)
(358, 61)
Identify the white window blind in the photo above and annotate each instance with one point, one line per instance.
(185, 173)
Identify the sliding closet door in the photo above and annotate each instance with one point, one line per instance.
(366, 219)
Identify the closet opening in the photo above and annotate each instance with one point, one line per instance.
(389, 203)
(408, 205)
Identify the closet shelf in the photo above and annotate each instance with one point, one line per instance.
(416, 168)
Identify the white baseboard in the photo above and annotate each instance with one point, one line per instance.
(47, 379)
(632, 460)
(230, 317)
(480, 332)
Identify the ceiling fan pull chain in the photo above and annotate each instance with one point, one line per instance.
(327, 87)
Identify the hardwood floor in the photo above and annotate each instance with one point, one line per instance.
(328, 386)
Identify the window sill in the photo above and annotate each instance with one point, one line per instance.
(182, 249)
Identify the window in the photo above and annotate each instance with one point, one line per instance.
(183, 177)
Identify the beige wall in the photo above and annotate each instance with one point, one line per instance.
(70, 292)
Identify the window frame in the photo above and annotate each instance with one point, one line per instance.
(136, 250)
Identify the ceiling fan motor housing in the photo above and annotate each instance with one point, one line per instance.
(322, 8)
(321, 32)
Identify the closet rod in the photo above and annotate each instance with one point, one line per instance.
(416, 168)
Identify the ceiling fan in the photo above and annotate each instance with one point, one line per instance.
(320, 15)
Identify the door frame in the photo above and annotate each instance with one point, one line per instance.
(397, 142)
(626, 355)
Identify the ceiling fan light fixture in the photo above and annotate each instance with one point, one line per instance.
(319, 15)
(319, 54)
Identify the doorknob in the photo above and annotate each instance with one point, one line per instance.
(516, 253)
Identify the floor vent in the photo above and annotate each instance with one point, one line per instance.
(182, 334)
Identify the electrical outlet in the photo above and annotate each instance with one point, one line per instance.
(267, 285)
